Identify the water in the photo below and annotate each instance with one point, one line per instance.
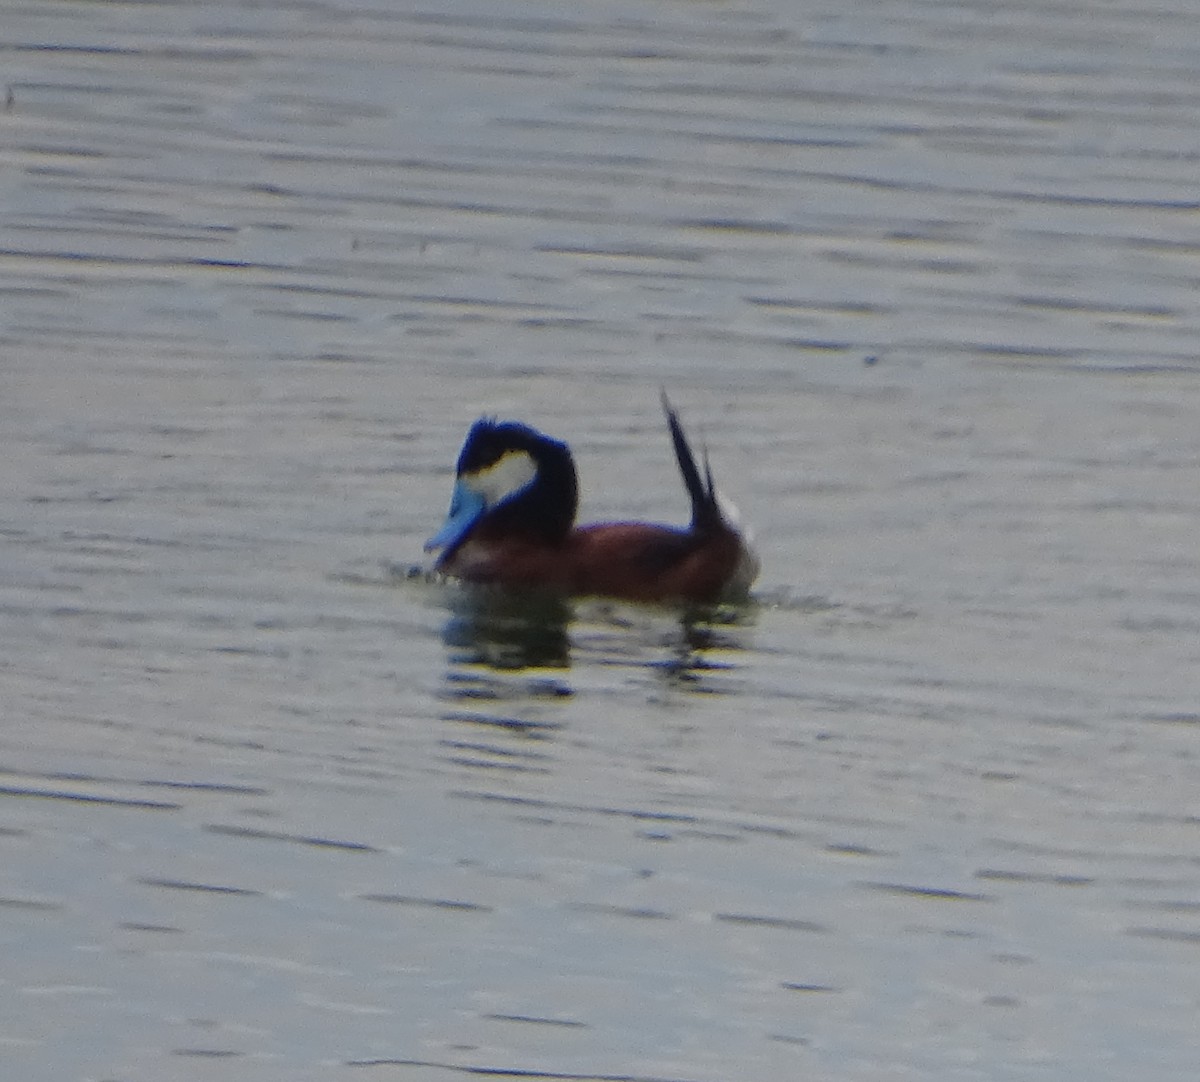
(921, 277)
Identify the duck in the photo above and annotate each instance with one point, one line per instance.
(511, 524)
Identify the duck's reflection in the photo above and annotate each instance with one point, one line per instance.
(521, 669)
(507, 633)
(703, 633)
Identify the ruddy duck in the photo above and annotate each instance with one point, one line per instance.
(512, 522)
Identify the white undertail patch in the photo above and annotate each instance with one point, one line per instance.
(748, 564)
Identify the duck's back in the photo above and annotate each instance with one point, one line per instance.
(642, 561)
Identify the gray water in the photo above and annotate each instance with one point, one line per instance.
(921, 276)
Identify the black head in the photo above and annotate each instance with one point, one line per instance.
(511, 479)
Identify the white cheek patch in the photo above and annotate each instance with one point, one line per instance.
(510, 473)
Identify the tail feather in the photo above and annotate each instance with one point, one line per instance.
(706, 512)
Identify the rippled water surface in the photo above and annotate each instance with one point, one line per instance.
(922, 277)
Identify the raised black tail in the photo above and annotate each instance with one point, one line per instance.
(706, 513)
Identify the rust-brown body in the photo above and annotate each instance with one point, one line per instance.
(635, 561)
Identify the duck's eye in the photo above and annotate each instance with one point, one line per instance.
(510, 473)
